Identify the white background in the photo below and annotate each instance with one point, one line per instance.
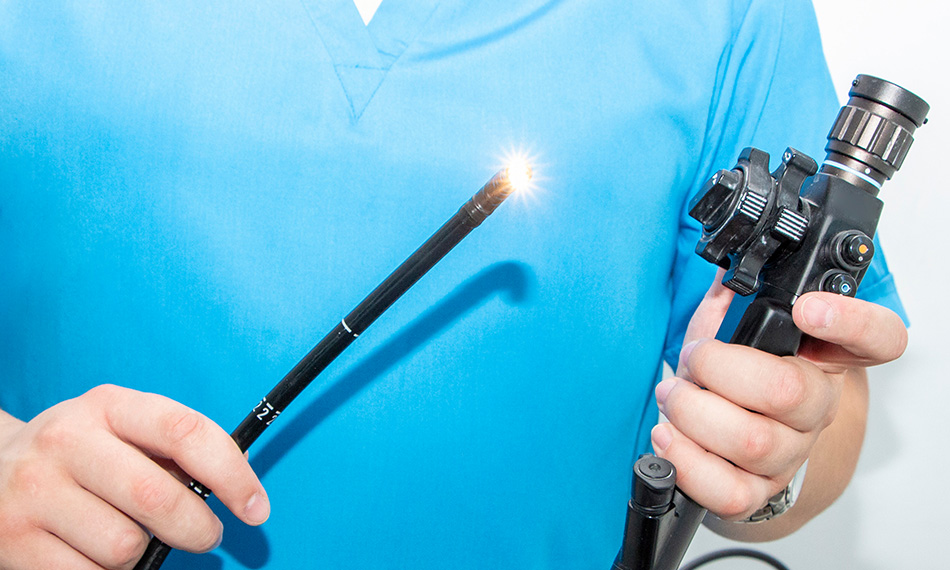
(895, 514)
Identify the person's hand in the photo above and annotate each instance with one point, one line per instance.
(743, 421)
(81, 482)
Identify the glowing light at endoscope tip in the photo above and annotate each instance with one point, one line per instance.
(519, 173)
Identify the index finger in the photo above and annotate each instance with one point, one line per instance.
(165, 428)
(708, 316)
(869, 333)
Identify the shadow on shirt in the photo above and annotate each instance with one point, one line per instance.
(249, 545)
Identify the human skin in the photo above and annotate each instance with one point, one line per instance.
(81, 482)
(742, 421)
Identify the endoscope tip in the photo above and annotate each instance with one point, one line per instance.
(519, 174)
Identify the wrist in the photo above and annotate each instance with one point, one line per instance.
(781, 502)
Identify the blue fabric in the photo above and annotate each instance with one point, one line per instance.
(192, 194)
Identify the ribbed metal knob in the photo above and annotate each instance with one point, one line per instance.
(883, 139)
(873, 132)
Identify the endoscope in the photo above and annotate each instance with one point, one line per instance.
(468, 217)
(779, 235)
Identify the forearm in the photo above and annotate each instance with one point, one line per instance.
(831, 465)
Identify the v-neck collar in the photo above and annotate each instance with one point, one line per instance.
(363, 54)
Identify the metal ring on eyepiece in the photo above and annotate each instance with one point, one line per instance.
(854, 172)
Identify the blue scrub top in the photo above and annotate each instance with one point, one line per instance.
(193, 193)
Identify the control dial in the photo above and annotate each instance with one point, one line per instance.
(853, 249)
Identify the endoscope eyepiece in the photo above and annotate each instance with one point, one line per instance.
(891, 95)
(873, 132)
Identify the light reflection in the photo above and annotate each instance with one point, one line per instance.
(519, 174)
(523, 170)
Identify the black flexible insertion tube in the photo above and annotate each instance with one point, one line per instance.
(469, 217)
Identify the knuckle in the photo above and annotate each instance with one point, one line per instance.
(103, 392)
(183, 428)
(55, 436)
(758, 444)
(789, 390)
(740, 504)
(127, 547)
(154, 499)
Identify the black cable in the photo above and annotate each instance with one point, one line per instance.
(733, 553)
(468, 217)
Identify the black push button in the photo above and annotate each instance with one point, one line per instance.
(856, 250)
(840, 283)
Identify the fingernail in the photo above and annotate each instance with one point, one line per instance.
(817, 312)
(257, 509)
(663, 390)
(687, 350)
(662, 437)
